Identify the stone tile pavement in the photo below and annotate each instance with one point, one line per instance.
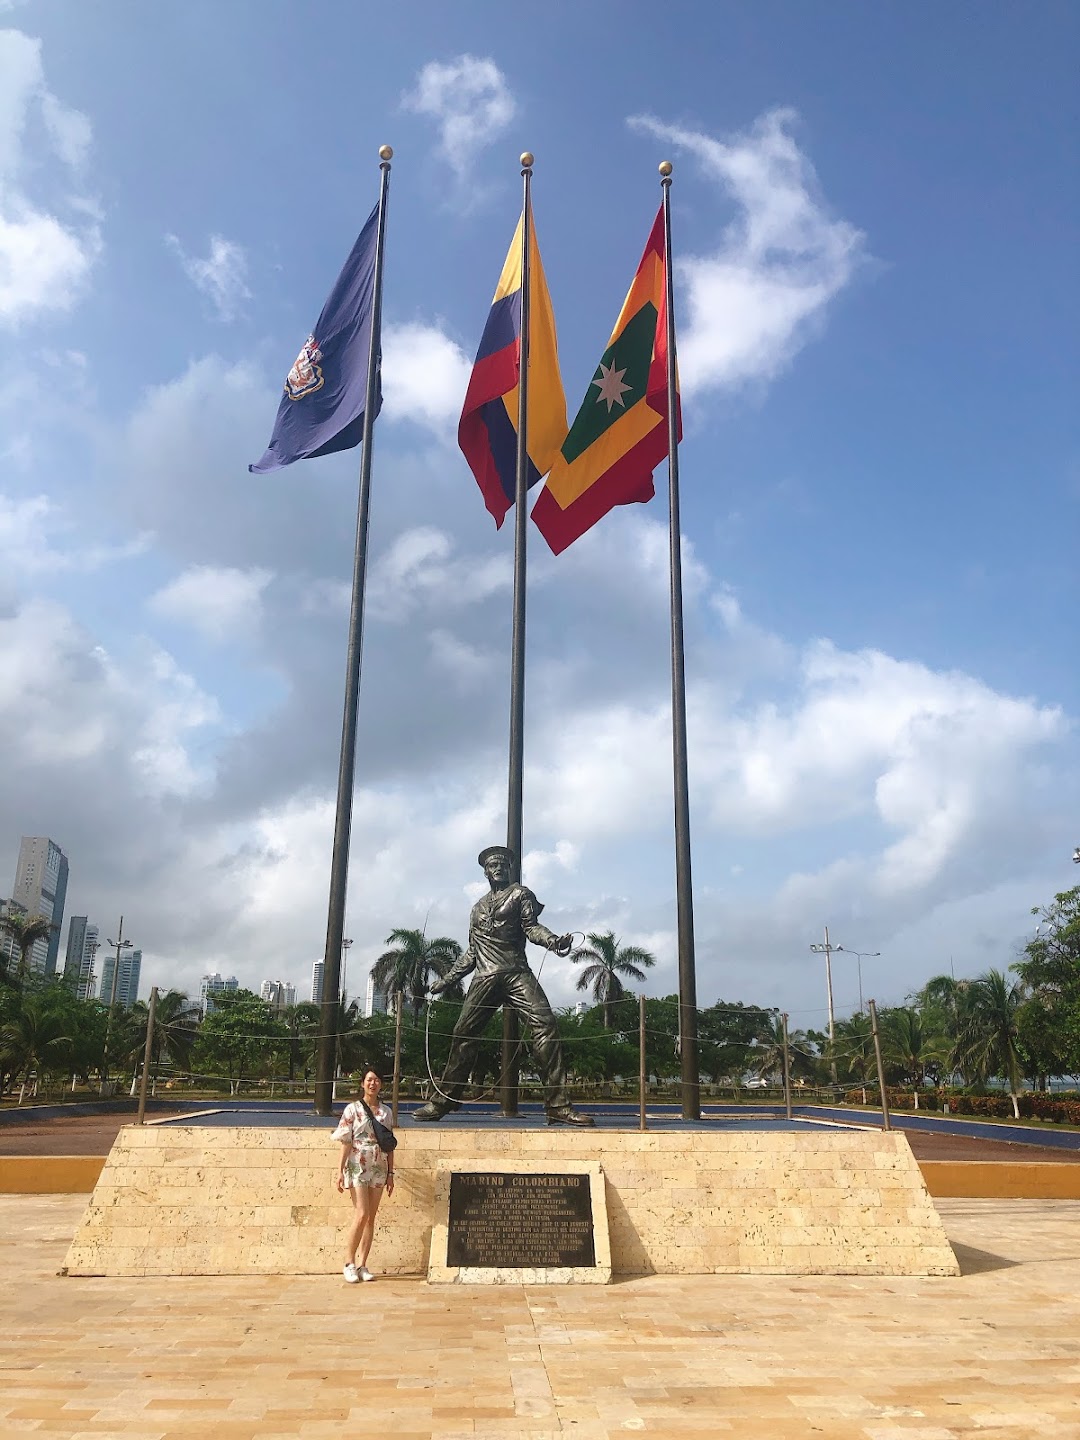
(994, 1353)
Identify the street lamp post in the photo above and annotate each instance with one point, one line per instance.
(827, 950)
(860, 956)
(344, 964)
(121, 945)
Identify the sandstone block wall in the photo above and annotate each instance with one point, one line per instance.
(201, 1200)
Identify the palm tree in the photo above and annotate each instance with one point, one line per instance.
(986, 1045)
(854, 1049)
(36, 1038)
(174, 1034)
(914, 1045)
(25, 931)
(605, 963)
(766, 1056)
(302, 1023)
(408, 968)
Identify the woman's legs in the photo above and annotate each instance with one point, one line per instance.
(356, 1224)
(366, 1200)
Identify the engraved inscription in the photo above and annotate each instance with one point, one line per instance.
(510, 1222)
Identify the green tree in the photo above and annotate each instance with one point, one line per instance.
(35, 1038)
(987, 1046)
(766, 1057)
(607, 964)
(1050, 973)
(912, 1046)
(593, 1051)
(240, 1038)
(727, 1031)
(854, 1050)
(408, 968)
(302, 1023)
(174, 1037)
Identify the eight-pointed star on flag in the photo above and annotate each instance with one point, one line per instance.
(611, 385)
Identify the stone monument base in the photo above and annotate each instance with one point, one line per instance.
(205, 1200)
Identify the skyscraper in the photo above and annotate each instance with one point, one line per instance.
(82, 946)
(41, 878)
(127, 979)
(214, 985)
(375, 1001)
(277, 994)
(316, 982)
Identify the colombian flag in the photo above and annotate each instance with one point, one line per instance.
(620, 433)
(487, 431)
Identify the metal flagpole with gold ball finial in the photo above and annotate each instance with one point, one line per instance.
(339, 865)
(515, 786)
(691, 1087)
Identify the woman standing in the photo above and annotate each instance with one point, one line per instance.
(365, 1170)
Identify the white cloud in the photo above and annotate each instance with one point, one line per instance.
(43, 261)
(419, 570)
(931, 760)
(29, 532)
(65, 702)
(221, 602)
(756, 301)
(471, 103)
(221, 277)
(425, 376)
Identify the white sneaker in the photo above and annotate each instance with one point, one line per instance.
(351, 1274)
(365, 1273)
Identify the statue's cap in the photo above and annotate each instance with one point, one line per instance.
(486, 855)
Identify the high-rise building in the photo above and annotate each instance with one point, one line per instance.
(375, 1001)
(82, 946)
(277, 994)
(214, 985)
(41, 878)
(127, 978)
(316, 982)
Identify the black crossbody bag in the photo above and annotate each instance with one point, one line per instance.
(384, 1138)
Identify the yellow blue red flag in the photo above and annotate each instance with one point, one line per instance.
(487, 431)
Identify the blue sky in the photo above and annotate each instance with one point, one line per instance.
(875, 214)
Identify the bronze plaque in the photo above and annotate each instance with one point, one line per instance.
(520, 1221)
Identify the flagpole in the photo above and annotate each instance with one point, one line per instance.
(691, 1090)
(521, 493)
(514, 805)
(339, 865)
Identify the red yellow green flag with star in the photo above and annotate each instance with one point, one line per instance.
(620, 433)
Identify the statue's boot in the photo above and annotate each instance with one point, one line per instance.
(435, 1109)
(567, 1115)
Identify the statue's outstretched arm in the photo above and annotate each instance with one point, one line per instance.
(462, 966)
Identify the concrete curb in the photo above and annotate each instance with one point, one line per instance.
(964, 1179)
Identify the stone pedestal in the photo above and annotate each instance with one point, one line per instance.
(192, 1200)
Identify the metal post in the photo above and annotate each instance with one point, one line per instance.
(641, 1062)
(120, 944)
(397, 1061)
(146, 1055)
(691, 1089)
(787, 1071)
(514, 799)
(339, 865)
(832, 1022)
(886, 1123)
(510, 1076)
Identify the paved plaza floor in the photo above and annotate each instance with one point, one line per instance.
(994, 1354)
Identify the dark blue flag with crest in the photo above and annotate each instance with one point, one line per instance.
(322, 409)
